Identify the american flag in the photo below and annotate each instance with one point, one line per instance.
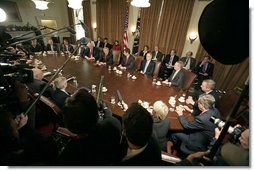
(125, 35)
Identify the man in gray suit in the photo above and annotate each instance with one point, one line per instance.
(177, 76)
(189, 63)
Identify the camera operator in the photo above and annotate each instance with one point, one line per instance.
(228, 151)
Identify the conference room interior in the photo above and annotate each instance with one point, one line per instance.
(168, 24)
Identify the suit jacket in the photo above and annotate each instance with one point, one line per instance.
(101, 44)
(48, 47)
(209, 70)
(59, 97)
(192, 62)
(95, 53)
(178, 80)
(142, 53)
(130, 63)
(108, 45)
(151, 156)
(167, 59)
(195, 97)
(64, 49)
(37, 48)
(109, 58)
(200, 131)
(150, 68)
(160, 130)
(37, 85)
(158, 57)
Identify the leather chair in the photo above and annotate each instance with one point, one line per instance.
(138, 60)
(156, 69)
(189, 78)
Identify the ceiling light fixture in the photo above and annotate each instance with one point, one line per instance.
(41, 4)
(140, 3)
(75, 4)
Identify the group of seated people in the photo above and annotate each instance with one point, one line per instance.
(137, 139)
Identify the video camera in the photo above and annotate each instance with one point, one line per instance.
(235, 132)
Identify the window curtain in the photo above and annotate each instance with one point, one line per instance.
(87, 18)
(110, 16)
(227, 77)
(165, 24)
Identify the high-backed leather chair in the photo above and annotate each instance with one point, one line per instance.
(156, 69)
(138, 60)
(189, 78)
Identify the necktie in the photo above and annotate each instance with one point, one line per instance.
(126, 62)
(52, 48)
(105, 58)
(146, 66)
(91, 53)
(204, 67)
(66, 46)
(174, 75)
(170, 61)
(186, 62)
(98, 44)
(155, 56)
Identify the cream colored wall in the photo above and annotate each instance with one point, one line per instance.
(57, 11)
(193, 27)
(133, 16)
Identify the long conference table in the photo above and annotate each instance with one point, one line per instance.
(88, 73)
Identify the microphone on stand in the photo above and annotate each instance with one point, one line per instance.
(83, 26)
(46, 27)
(71, 30)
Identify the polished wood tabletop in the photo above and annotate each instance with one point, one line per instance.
(132, 90)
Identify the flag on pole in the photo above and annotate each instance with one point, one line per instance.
(136, 39)
(125, 36)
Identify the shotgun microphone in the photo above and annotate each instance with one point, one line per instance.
(71, 30)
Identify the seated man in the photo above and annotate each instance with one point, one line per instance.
(60, 94)
(177, 77)
(147, 66)
(91, 53)
(35, 47)
(106, 44)
(38, 83)
(94, 143)
(128, 61)
(139, 148)
(51, 46)
(98, 43)
(66, 47)
(204, 70)
(167, 65)
(106, 58)
(157, 55)
(207, 87)
(198, 132)
(189, 62)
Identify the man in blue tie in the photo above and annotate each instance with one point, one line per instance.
(147, 66)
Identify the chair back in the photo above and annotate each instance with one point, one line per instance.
(189, 78)
(138, 60)
(156, 69)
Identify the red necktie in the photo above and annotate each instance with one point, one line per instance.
(91, 53)
(126, 62)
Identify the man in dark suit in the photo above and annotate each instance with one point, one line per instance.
(200, 131)
(167, 65)
(35, 47)
(207, 87)
(204, 70)
(91, 53)
(189, 62)
(157, 55)
(147, 66)
(106, 58)
(51, 46)
(128, 62)
(106, 44)
(177, 77)
(139, 147)
(66, 47)
(99, 43)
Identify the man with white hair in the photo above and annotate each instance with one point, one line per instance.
(91, 53)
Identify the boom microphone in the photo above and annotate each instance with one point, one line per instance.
(71, 30)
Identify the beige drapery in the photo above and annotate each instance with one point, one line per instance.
(165, 23)
(110, 16)
(227, 77)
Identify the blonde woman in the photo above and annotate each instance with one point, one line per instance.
(160, 123)
(60, 94)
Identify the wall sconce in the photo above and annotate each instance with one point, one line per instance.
(2, 15)
(95, 27)
(133, 30)
(193, 36)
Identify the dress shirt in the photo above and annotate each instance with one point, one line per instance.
(175, 75)
(146, 66)
(187, 63)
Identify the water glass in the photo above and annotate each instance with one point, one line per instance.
(112, 100)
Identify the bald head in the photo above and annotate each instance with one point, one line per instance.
(38, 74)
